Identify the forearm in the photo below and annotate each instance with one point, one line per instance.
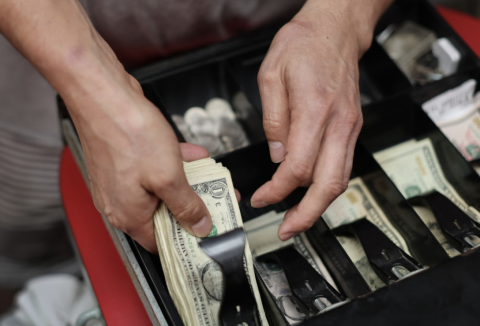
(57, 37)
(357, 17)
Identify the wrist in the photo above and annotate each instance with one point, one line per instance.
(350, 21)
(82, 69)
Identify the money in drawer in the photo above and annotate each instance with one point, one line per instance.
(398, 247)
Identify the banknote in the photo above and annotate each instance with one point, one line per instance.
(456, 113)
(464, 131)
(415, 170)
(355, 203)
(195, 281)
(262, 237)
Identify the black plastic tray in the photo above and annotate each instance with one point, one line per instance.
(446, 293)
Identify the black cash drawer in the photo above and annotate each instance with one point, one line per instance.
(444, 294)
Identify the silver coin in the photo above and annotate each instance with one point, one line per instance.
(242, 106)
(212, 144)
(205, 126)
(194, 114)
(232, 134)
(182, 127)
(218, 108)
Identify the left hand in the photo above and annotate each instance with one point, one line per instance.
(311, 105)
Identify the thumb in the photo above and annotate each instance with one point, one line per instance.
(276, 115)
(191, 152)
(184, 203)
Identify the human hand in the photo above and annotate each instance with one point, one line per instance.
(311, 105)
(133, 157)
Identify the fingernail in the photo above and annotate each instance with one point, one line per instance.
(203, 227)
(258, 204)
(277, 151)
(287, 236)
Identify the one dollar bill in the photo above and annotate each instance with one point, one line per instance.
(262, 236)
(194, 280)
(355, 203)
(414, 168)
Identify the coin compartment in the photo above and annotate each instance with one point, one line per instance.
(194, 87)
(424, 14)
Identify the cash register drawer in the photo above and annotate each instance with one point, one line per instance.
(446, 293)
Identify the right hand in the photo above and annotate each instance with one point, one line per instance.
(133, 157)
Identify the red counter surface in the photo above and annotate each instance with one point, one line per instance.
(120, 303)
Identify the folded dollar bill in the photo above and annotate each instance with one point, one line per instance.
(356, 203)
(262, 237)
(414, 168)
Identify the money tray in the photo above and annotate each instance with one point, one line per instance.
(446, 293)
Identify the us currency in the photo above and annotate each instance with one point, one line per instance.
(457, 113)
(262, 237)
(195, 281)
(214, 127)
(356, 203)
(414, 168)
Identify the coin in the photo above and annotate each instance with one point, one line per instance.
(219, 108)
(212, 144)
(194, 114)
(242, 106)
(182, 127)
(232, 134)
(205, 125)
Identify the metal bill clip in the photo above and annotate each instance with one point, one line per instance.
(238, 305)
(388, 261)
(312, 293)
(455, 224)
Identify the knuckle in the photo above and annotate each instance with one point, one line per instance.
(335, 188)
(351, 117)
(360, 120)
(267, 78)
(166, 182)
(135, 84)
(187, 211)
(271, 123)
(301, 171)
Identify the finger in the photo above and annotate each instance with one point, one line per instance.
(276, 115)
(353, 138)
(237, 194)
(310, 112)
(351, 148)
(182, 201)
(191, 152)
(328, 184)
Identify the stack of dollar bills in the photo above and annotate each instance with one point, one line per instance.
(193, 279)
